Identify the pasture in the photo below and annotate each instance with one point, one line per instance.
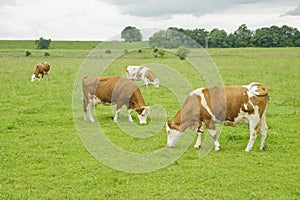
(43, 156)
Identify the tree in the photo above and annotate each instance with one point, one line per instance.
(43, 43)
(131, 34)
(243, 36)
(183, 52)
(171, 39)
(218, 38)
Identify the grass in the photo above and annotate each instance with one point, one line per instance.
(43, 157)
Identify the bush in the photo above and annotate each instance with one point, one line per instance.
(161, 53)
(108, 51)
(183, 52)
(47, 54)
(27, 53)
(43, 43)
(140, 51)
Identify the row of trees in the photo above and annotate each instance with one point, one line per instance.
(173, 37)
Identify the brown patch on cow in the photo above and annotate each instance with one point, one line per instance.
(138, 73)
(149, 74)
(226, 102)
(172, 124)
(261, 102)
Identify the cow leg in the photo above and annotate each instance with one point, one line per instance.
(129, 115)
(146, 82)
(263, 132)
(47, 74)
(89, 111)
(87, 107)
(213, 134)
(199, 133)
(198, 142)
(84, 109)
(118, 110)
(253, 123)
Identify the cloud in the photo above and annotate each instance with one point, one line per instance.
(167, 8)
(294, 12)
(103, 19)
(5, 2)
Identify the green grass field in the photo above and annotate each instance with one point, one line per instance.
(43, 156)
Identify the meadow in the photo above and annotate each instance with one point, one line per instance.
(43, 156)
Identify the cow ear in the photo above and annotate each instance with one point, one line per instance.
(169, 123)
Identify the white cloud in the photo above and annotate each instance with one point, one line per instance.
(103, 19)
(295, 11)
(167, 8)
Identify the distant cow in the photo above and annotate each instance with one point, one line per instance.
(229, 105)
(113, 90)
(142, 73)
(41, 68)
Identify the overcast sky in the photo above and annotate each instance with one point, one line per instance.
(104, 19)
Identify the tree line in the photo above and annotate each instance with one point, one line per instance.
(173, 37)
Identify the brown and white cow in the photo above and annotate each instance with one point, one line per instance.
(113, 90)
(142, 73)
(41, 68)
(229, 105)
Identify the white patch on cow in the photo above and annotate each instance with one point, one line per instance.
(95, 100)
(173, 136)
(32, 77)
(213, 134)
(117, 114)
(129, 115)
(203, 102)
(198, 142)
(155, 83)
(252, 87)
(143, 116)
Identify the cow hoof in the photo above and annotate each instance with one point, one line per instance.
(262, 148)
(217, 148)
(196, 146)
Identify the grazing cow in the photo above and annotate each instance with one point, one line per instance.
(41, 68)
(113, 90)
(142, 73)
(229, 105)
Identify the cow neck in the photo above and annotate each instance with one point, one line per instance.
(137, 99)
(188, 115)
(149, 74)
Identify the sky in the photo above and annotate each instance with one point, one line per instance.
(105, 19)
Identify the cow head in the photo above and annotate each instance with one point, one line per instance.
(33, 77)
(143, 114)
(155, 83)
(173, 135)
